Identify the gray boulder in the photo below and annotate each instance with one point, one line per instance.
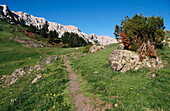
(95, 48)
(123, 60)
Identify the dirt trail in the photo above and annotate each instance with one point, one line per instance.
(81, 102)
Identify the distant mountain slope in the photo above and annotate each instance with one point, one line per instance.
(39, 22)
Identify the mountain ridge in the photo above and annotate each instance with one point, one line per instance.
(39, 22)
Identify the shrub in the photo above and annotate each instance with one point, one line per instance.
(124, 39)
(140, 29)
(86, 49)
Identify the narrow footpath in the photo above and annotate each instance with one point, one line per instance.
(81, 102)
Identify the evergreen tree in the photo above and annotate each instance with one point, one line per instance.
(53, 36)
(117, 30)
(43, 31)
(32, 29)
(73, 40)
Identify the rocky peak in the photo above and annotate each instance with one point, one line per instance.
(6, 14)
(39, 22)
(28, 19)
(4, 9)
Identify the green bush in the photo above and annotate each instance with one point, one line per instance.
(140, 29)
(86, 49)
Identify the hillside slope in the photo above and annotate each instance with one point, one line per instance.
(129, 91)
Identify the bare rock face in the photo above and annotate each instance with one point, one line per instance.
(102, 40)
(39, 22)
(123, 60)
(95, 48)
(6, 14)
(28, 19)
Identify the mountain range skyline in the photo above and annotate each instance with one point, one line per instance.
(91, 16)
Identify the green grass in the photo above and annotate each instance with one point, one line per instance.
(133, 90)
(13, 55)
(48, 92)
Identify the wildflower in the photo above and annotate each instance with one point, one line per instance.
(30, 89)
(53, 107)
(104, 83)
(138, 94)
(51, 94)
(116, 105)
(51, 97)
(131, 88)
(46, 94)
(54, 95)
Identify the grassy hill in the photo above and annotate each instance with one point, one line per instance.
(50, 92)
(133, 90)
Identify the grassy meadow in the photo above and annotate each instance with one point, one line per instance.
(132, 91)
(50, 92)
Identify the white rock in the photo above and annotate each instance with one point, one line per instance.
(35, 80)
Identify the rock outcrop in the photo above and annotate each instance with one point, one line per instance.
(39, 22)
(102, 40)
(6, 14)
(123, 60)
(49, 59)
(7, 80)
(95, 48)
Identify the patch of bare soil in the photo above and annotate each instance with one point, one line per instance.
(81, 102)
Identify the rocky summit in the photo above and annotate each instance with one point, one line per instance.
(39, 22)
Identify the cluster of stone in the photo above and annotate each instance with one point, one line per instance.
(7, 80)
(123, 60)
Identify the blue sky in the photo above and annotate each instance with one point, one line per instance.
(91, 16)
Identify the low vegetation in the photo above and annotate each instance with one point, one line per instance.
(133, 90)
(49, 93)
(141, 34)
